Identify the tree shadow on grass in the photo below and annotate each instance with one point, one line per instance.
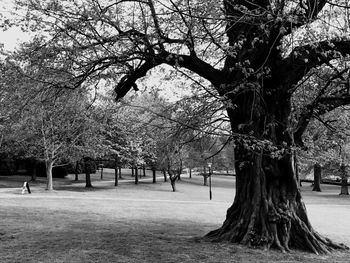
(80, 188)
(217, 182)
(89, 237)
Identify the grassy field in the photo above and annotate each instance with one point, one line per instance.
(142, 223)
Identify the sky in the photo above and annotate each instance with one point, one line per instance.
(12, 37)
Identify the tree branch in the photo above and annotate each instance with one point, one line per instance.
(304, 58)
(319, 106)
(191, 63)
(305, 12)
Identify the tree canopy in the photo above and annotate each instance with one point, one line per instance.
(251, 57)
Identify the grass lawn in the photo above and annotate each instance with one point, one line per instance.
(142, 223)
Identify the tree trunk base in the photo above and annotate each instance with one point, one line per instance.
(283, 230)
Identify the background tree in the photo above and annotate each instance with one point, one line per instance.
(47, 123)
(325, 143)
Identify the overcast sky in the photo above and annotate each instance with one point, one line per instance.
(10, 38)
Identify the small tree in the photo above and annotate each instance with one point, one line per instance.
(174, 165)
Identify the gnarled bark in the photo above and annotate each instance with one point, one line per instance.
(268, 210)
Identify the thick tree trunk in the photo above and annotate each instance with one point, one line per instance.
(268, 209)
(344, 181)
(88, 180)
(144, 171)
(317, 177)
(49, 180)
(344, 190)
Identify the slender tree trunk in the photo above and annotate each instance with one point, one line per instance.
(132, 172)
(49, 181)
(136, 176)
(154, 175)
(144, 171)
(317, 177)
(76, 171)
(120, 172)
(190, 173)
(164, 174)
(116, 176)
(89, 167)
(101, 173)
(344, 181)
(116, 170)
(173, 182)
(33, 170)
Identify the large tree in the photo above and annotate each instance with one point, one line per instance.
(254, 55)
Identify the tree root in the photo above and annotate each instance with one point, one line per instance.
(281, 233)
